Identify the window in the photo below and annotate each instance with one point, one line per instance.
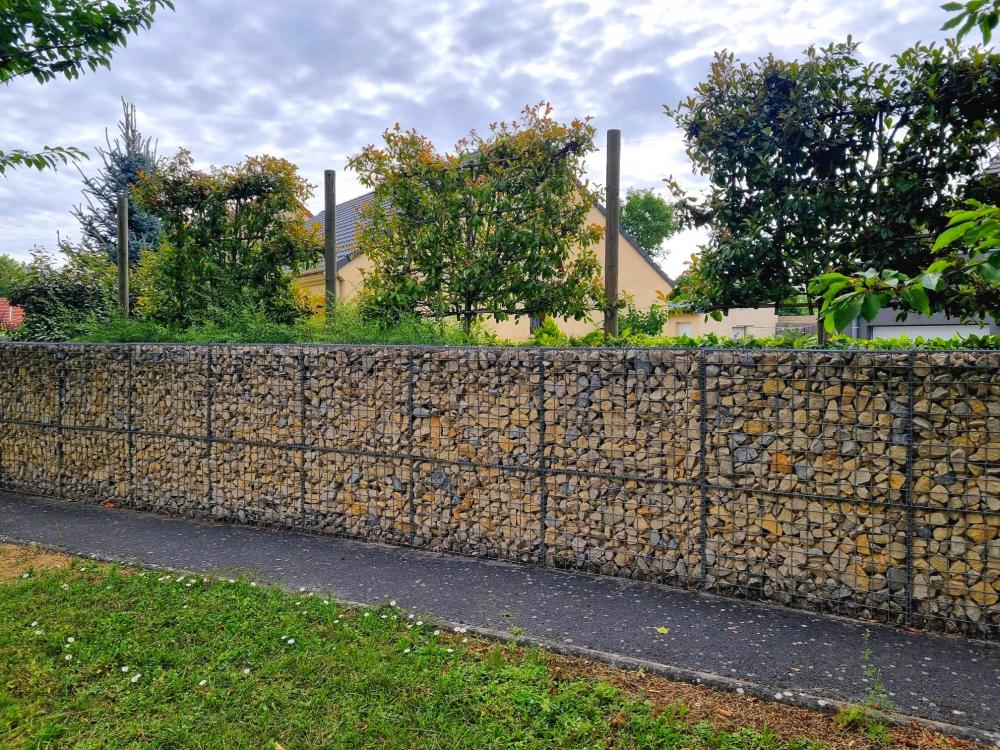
(683, 329)
(740, 332)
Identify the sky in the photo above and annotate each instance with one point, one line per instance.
(314, 81)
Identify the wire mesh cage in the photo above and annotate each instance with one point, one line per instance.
(865, 483)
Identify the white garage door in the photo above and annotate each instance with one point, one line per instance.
(943, 331)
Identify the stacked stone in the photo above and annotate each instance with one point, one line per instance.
(357, 474)
(30, 394)
(807, 462)
(816, 489)
(171, 455)
(95, 402)
(474, 423)
(956, 488)
(621, 440)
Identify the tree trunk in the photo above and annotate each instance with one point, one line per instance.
(820, 330)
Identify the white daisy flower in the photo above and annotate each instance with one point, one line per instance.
(124, 669)
(406, 650)
(451, 650)
(291, 641)
(203, 683)
(68, 657)
(437, 632)
(71, 639)
(135, 677)
(246, 670)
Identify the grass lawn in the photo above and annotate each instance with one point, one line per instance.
(97, 656)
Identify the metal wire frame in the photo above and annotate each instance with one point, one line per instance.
(603, 491)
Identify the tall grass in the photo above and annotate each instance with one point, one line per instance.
(346, 326)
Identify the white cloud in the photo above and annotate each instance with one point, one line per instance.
(315, 81)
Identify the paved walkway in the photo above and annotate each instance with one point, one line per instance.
(741, 645)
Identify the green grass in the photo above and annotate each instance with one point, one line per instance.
(320, 676)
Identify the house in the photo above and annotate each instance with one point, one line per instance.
(10, 315)
(739, 322)
(638, 274)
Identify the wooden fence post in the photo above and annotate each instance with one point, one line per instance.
(330, 239)
(611, 233)
(123, 253)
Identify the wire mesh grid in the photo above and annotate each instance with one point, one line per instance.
(863, 483)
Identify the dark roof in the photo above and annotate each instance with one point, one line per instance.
(348, 224)
(994, 166)
(348, 219)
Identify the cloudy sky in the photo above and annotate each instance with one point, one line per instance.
(315, 80)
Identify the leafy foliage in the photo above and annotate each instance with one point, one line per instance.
(826, 163)
(981, 14)
(231, 238)
(346, 325)
(648, 218)
(58, 298)
(496, 227)
(124, 161)
(963, 281)
(13, 275)
(549, 334)
(51, 38)
(48, 158)
(649, 322)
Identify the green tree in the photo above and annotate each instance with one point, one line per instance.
(964, 280)
(827, 163)
(981, 14)
(60, 297)
(497, 227)
(648, 218)
(13, 274)
(124, 161)
(51, 38)
(231, 239)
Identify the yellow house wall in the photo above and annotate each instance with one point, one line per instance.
(760, 322)
(349, 279)
(635, 277)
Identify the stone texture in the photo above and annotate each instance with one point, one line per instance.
(793, 476)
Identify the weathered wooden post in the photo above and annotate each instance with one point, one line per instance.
(330, 239)
(123, 253)
(611, 233)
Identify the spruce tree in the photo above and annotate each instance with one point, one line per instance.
(123, 160)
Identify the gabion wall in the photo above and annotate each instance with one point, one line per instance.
(863, 483)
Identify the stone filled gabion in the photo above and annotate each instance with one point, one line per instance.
(864, 483)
